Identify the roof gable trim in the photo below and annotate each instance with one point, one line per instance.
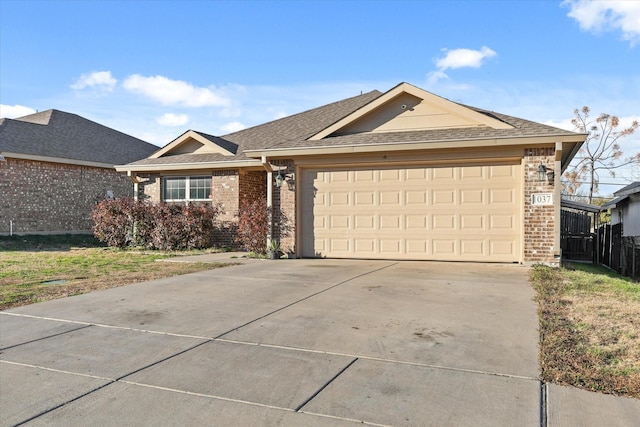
(435, 101)
(183, 141)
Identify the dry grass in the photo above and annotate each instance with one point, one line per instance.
(589, 329)
(76, 265)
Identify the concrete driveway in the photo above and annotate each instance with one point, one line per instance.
(295, 342)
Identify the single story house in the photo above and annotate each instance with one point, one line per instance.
(55, 166)
(625, 209)
(403, 174)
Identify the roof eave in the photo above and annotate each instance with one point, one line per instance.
(414, 145)
(189, 166)
(36, 158)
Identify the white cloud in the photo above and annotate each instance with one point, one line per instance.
(174, 92)
(232, 127)
(101, 80)
(170, 119)
(13, 111)
(600, 16)
(459, 58)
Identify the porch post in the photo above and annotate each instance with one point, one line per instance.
(269, 170)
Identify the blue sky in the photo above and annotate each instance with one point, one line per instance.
(154, 69)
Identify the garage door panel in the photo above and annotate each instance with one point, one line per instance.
(471, 222)
(472, 173)
(472, 196)
(339, 198)
(443, 222)
(416, 222)
(416, 197)
(440, 174)
(417, 248)
(501, 171)
(390, 222)
(469, 213)
(364, 222)
(443, 247)
(340, 245)
(364, 198)
(502, 196)
(390, 197)
(503, 222)
(472, 247)
(391, 247)
(444, 197)
(501, 247)
(365, 246)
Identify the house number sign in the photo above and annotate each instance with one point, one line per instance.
(542, 199)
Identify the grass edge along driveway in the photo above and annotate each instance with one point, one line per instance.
(589, 328)
(41, 268)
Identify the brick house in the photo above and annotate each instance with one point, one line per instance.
(403, 174)
(54, 167)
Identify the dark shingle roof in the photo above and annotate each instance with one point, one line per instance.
(55, 133)
(297, 127)
(521, 128)
(632, 188)
(294, 132)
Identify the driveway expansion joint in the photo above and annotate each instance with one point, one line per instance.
(543, 404)
(44, 338)
(326, 385)
(304, 299)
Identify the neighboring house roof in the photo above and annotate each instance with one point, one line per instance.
(361, 122)
(622, 195)
(55, 135)
(572, 204)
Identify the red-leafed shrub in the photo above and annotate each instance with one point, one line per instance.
(125, 222)
(184, 226)
(253, 225)
(113, 221)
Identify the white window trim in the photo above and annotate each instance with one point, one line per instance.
(187, 179)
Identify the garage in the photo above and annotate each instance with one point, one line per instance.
(469, 212)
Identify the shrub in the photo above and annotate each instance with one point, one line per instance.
(113, 221)
(125, 222)
(253, 225)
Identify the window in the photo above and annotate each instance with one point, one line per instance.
(186, 188)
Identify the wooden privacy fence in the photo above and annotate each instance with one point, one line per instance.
(583, 239)
(576, 239)
(621, 254)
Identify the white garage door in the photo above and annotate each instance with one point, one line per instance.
(461, 213)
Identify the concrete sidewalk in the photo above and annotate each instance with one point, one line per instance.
(293, 342)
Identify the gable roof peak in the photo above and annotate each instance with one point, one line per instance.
(409, 107)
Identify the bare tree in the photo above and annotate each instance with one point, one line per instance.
(600, 152)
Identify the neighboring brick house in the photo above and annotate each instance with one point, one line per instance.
(55, 166)
(403, 174)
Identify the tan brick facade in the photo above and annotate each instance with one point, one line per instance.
(539, 221)
(43, 197)
(284, 203)
(228, 187)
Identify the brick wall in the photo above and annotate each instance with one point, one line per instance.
(284, 203)
(225, 190)
(539, 221)
(43, 197)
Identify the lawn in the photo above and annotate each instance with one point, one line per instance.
(40, 268)
(589, 328)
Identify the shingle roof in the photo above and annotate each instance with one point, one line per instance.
(297, 127)
(632, 188)
(58, 134)
(294, 132)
